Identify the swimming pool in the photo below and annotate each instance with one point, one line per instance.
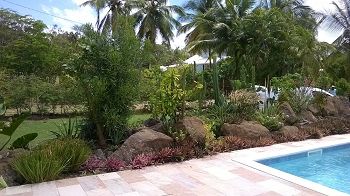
(326, 166)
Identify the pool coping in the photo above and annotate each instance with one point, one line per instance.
(251, 161)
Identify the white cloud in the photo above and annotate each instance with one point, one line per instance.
(179, 41)
(323, 6)
(319, 5)
(78, 2)
(80, 15)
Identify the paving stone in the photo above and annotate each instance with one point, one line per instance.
(279, 187)
(270, 193)
(157, 178)
(45, 189)
(99, 192)
(249, 175)
(109, 176)
(67, 182)
(176, 189)
(131, 176)
(147, 188)
(18, 189)
(117, 186)
(89, 183)
(73, 190)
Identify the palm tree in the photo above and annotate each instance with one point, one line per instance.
(213, 26)
(339, 21)
(155, 16)
(295, 6)
(98, 5)
(302, 13)
(115, 8)
(200, 22)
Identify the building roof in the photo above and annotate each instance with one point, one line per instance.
(198, 59)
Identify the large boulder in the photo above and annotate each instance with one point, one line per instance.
(10, 176)
(315, 110)
(288, 114)
(329, 108)
(333, 106)
(247, 129)
(194, 128)
(332, 125)
(308, 116)
(144, 141)
(289, 131)
(337, 106)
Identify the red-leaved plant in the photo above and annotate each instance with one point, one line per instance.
(165, 155)
(142, 160)
(114, 164)
(93, 164)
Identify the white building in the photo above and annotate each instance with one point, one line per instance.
(201, 63)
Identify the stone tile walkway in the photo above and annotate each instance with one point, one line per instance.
(215, 175)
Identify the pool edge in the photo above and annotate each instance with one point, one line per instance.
(252, 162)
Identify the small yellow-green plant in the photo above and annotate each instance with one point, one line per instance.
(270, 118)
(209, 134)
(38, 166)
(48, 161)
(71, 152)
(2, 183)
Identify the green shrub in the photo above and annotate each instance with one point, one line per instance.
(299, 100)
(106, 70)
(222, 113)
(71, 152)
(38, 166)
(270, 118)
(290, 91)
(167, 100)
(343, 87)
(245, 104)
(319, 100)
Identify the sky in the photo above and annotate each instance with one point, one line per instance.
(71, 9)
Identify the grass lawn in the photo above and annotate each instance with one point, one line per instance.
(137, 118)
(43, 128)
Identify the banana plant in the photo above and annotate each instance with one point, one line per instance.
(21, 142)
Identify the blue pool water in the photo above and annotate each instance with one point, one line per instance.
(329, 166)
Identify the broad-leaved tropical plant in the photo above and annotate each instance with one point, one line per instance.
(8, 129)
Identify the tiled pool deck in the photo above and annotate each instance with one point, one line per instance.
(222, 174)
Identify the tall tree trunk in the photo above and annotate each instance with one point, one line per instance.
(100, 136)
(209, 53)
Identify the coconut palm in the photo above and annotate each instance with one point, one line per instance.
(295, 6)
(98, 5)
(212, 26)
(200, 20)
(302, 13)
(114, 8)
(339, 21)
(155, 16)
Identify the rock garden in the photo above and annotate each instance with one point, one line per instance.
(104, 99)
